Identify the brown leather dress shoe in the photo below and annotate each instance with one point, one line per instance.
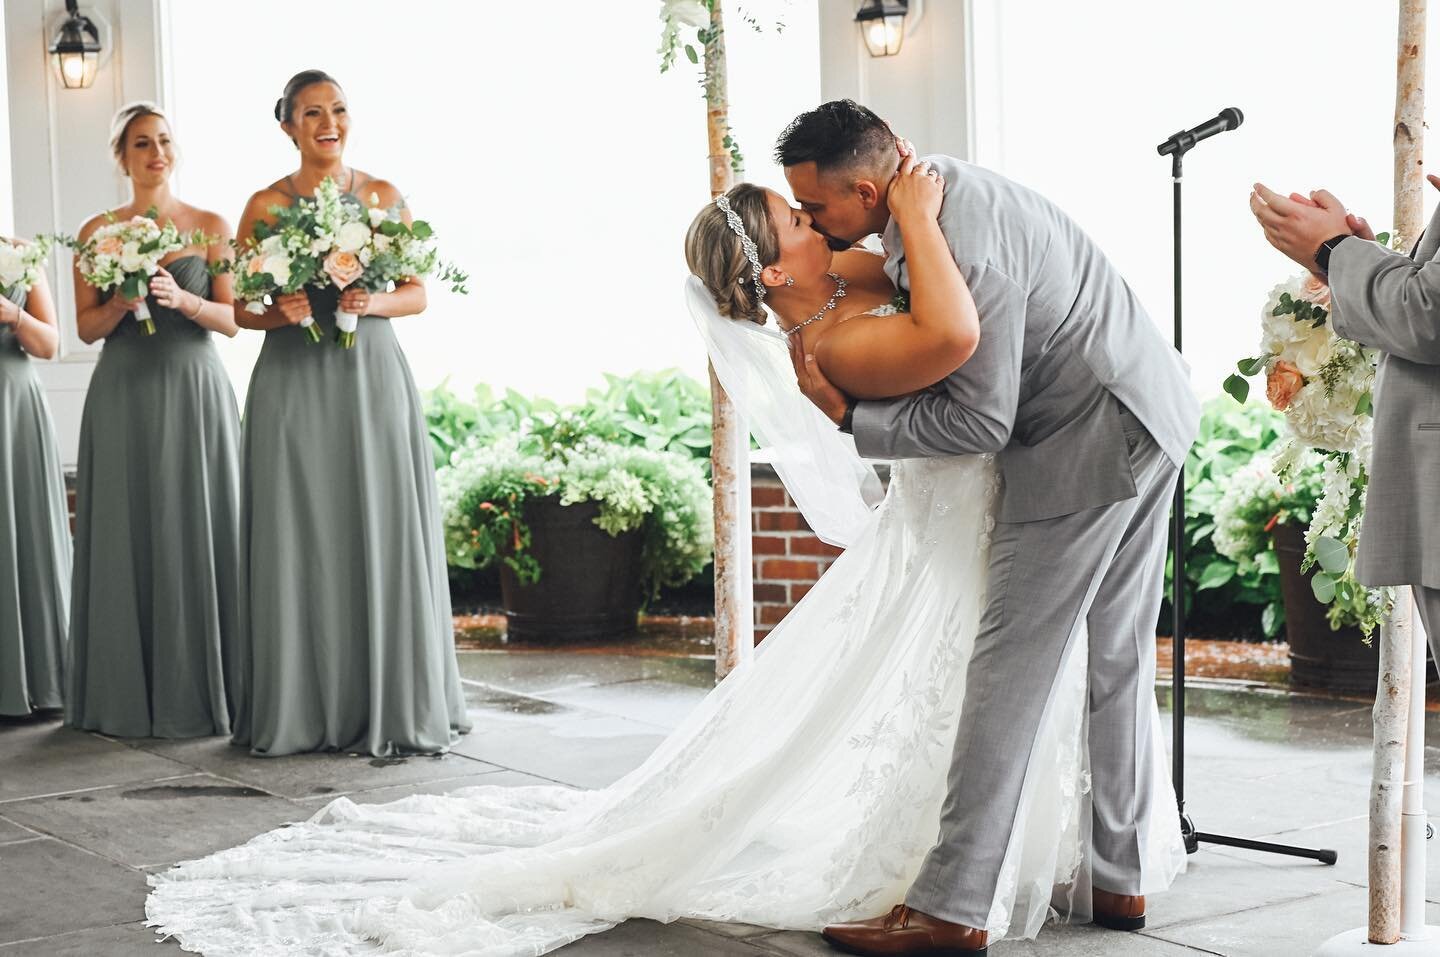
(1118, 911)
(907, 933)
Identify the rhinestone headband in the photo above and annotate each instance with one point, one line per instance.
(737, 226)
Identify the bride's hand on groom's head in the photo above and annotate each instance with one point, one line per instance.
(916, 193)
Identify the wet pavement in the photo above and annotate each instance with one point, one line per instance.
(84, 818)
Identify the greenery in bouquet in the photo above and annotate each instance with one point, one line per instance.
(122, 255)
(279, 259)
(22, 264)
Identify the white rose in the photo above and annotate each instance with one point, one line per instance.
(1312, 352)
(352, 237)
(12, 265)
(378, 216)
(365, 255)
(278, 267)
(130, 258)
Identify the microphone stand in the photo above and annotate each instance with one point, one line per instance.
(1180, 144)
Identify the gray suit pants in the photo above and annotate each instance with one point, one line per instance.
(1103, 569)
(1427, 604)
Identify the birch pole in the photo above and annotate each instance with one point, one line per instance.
(1392, 697)
(730, 446)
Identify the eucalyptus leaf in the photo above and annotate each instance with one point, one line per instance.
(1332, 554)
(1324, 588)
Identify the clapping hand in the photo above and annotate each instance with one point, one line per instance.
(1298, 228)
(1358, 224)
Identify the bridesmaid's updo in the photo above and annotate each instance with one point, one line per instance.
(716, 255)
(120, 126)
(285, 106)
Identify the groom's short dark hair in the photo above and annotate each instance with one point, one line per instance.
(837, 135)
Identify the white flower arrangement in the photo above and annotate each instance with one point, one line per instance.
(22, 264)
(1324, 385)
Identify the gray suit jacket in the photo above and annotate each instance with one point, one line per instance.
(1391, 302)
(1062, 337)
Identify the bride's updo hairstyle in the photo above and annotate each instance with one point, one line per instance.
(716, 253)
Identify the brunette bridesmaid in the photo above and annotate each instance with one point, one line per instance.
(348, 603)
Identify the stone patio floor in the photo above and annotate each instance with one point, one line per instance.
(84, 818)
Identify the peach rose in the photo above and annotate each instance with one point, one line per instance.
(256, 265)
(109, 246)
(343, 268)
(1282, 383)
(1316, 290)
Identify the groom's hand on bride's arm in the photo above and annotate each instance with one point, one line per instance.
(1298, 229)
(813, 384)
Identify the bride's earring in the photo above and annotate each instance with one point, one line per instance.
(789, 280)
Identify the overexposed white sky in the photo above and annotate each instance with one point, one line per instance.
(553, 159)
(562, 169)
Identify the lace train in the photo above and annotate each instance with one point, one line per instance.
(805, 789)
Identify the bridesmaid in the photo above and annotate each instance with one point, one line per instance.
(34, 526)
(348, 603)
(155, 624)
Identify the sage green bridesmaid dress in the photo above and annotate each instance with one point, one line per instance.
(348, 602)
(34, 539)
(155, 620)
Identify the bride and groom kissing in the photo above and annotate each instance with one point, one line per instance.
(960, 715)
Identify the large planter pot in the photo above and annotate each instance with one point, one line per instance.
(589, 587)
(1319, 657)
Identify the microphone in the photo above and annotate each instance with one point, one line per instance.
(1182, 142)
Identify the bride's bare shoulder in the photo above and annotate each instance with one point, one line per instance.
(862, 266)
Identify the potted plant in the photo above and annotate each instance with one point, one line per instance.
(1262, 523)
(584, 527)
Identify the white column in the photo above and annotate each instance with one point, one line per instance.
(60, 167)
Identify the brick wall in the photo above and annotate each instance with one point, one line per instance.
(788, 558)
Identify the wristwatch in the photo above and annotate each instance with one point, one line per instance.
(1322, 255)
(847, 422)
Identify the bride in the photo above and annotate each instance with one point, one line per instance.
(807, 787)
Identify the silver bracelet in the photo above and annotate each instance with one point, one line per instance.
(198, 309)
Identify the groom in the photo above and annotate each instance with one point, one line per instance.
(1090, 414)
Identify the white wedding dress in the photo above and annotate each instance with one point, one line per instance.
(804, 790)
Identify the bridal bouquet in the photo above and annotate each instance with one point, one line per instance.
(1323, 384)
(390, 253)
(124, 254)
(279, 259)
(21, 264)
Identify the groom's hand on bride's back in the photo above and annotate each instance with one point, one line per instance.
(815, 386)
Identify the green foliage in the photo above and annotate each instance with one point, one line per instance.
(640, 446)
(660, 411)
(484, 490)
(1230, 436)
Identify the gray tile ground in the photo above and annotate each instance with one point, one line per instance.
(83, 818)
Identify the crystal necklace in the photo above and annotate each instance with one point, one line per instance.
(839, 294)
